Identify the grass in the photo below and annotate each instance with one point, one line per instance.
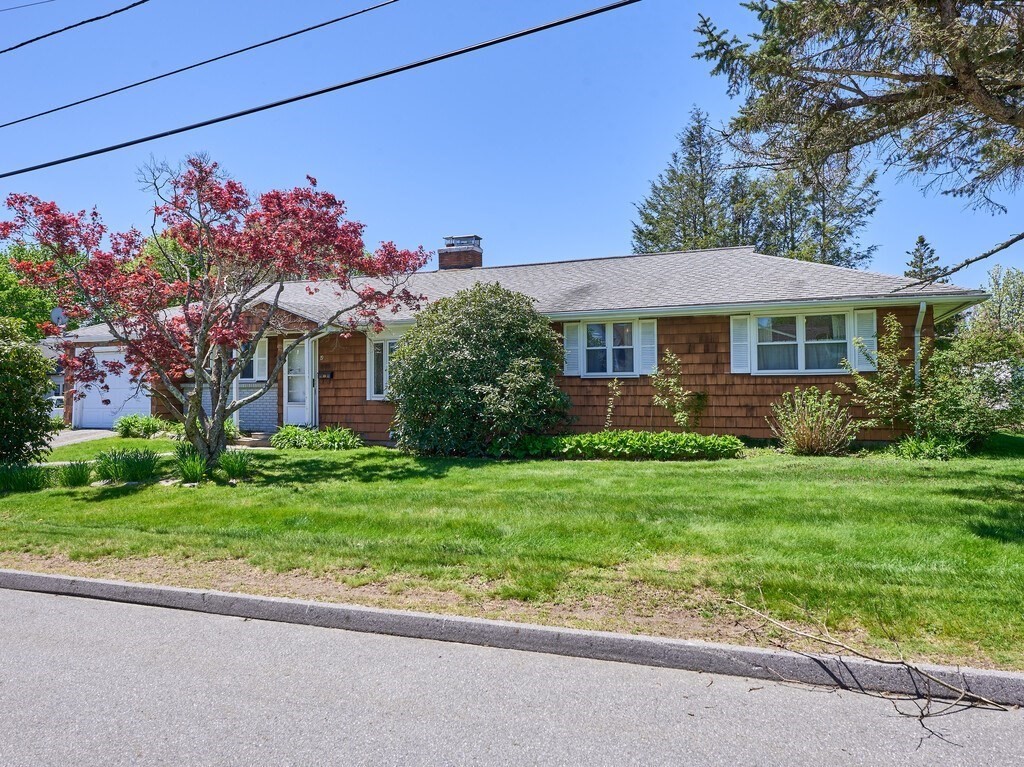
(87, 451)
(931, 553)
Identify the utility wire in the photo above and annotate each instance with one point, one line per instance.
(74, 26)
(197, 65)
(329, 89)
(26, 5)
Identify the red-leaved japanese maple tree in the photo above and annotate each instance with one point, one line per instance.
(189, 304)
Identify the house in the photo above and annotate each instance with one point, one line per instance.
(747, 327)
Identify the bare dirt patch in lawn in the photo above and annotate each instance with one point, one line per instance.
(625, 604)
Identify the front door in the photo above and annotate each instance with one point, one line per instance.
(296, 387)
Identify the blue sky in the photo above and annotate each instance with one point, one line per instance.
(541, 146)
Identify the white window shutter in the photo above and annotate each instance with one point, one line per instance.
(571, 342)
(739, 342)
(259, 364)
(648, 346)
(866, 329)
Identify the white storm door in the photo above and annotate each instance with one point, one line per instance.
(296, 386)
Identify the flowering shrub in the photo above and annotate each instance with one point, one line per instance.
(627, 445)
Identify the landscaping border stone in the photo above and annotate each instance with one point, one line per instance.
(1006, 688)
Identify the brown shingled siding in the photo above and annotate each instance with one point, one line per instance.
(737, 403)
(343, 399)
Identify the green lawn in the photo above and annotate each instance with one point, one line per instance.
(932, 553)
(87, 451)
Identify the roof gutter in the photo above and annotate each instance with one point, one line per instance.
(763, 306)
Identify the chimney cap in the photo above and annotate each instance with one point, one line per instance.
(463, 241)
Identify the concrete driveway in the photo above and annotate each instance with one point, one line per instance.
(99, 683)
(71, 436)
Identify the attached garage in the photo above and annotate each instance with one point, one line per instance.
(99, 409)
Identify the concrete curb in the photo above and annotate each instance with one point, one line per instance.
(849, 673)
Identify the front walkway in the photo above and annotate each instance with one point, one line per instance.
(71, 436)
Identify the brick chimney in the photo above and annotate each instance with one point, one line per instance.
(463, 252)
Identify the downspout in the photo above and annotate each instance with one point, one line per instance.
(917, 343)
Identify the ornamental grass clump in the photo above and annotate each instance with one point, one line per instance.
(236, 464)
(74, 474)
(140, 426)
(23, 479)
(812, 422)
(127, 465)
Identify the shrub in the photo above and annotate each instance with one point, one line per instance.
(126, 465)
(140, 426)
(685, 406)
(812, 422)
(304, 438)
(23, 479)
(75, 474)
(25, 425)
(191, 467)
(933, 448)
(236, 464)
(965, 393)
(476, 374)
(627, 445)
(57, 423)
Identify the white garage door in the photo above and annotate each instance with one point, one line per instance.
(100, 409)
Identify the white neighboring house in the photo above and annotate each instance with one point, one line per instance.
(99, 409)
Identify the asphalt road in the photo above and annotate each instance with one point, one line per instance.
(96, 683)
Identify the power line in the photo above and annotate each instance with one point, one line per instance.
(26, 5)
(74, 26)
(329, 89)
(198, 64)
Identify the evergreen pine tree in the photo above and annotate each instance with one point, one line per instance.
(923, 263)
(699, 201)
(686, 207)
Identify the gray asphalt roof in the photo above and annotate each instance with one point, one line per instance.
(691, 279)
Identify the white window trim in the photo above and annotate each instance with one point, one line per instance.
(635, 321)
(801, 341)
(261, 354)
(370, 341)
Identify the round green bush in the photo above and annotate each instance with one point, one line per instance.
(25, 425)
(476, 374)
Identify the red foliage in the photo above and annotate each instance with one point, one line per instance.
(239, 247)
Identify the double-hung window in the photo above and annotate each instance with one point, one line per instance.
(798, 343)
(610, 348)
(379, 359)
(256, 368)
